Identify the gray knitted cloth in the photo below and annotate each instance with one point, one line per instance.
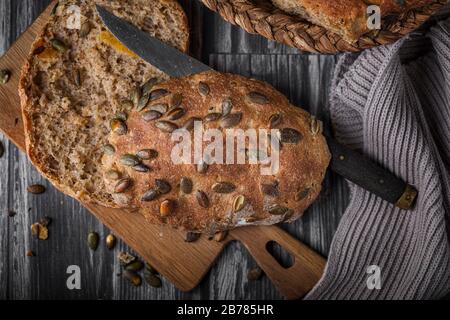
(399, 115)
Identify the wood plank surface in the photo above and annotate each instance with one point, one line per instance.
(303, 78)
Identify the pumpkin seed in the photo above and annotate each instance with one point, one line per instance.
(176, 114)
(93, 240)
(220, 236)
(36, 189)
(153, 280)
(227, 106)
(59, 45)
(133, 277)
(85, 29)
(121, 115)
(129, 160)
(255, 274)
(176, 100)
(202, 167)
(151, 115)
(135, 266)
(202, 199)
(213, 116)
(122, 185)
(316, 125)
(258, 98)
(239, 203)
(148, 85)
(189, 125)
(203, 88)
(112, 175)
(135, 96)
(147, 154)
(192, 236)
(150, 269)
(142, 103)
(274, 120)
(302, 194)
(231, 120)
(270, 189)
(289, 135)
(162, 186)
(166, 126)
(223, 187)
(158, 93)
(141, 168)
(110, 241)
(186, 185)
(150, 195)
(125, 258)
(166, 208)
(118, 127)
(4, 76)
(127, 105)
(277, 210)
(161, 108)
(77, 77)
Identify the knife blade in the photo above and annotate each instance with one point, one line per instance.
(166, 58)
(346, 162)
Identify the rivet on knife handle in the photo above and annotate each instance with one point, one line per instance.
(370, 176)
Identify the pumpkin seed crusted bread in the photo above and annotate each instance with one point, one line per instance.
(140, 172)
(348, 18)
(77, 77)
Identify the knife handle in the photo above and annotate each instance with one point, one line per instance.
(370, 176)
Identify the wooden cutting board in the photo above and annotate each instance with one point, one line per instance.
(184, 264)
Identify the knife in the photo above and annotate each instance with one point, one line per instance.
(350, 164)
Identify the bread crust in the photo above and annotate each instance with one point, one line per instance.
(297, 182)
(31, 96)
(348, 18)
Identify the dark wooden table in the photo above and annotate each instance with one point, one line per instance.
(304, 78)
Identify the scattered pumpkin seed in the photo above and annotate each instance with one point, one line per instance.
(166, 208)
(125, 258)
(189, 125)
(110, 241)
(166, 126)
(255, 274)
(202, 199)
(227, 106)
(129, 160)
(220, 236)
(36, 189)
(112, 175)
(122, 185)
(141, 168)
(135, 96)
(133, 277)
(150, 195)
(231, 120)
(203, 88)
(277, 210)
(151, 115)
(158, 93)
(274, 120)
(223, 187)
(93, 240)
(161, 108)
(59, 45)
(176, 100)
(148, 86)
(118, 127)
(289, 135)
(258, 98)
(176, 114)
(239, 203)
(186, 185)
(142, 103)
(192, 236)
(5, 75)
(270, 189)
(135, 266)
(121, 115)
(213, 116)
(162, 186)
(153, 280)
(109, 149)
(147, 154)
(302, 194)
(316, 126)
(85, 29)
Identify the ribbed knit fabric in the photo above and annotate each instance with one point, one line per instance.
(399, 115)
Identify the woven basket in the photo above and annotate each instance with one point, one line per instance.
(261, 17)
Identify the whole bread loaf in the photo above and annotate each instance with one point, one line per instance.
(200, 196)
(77, 76)
(348, 18)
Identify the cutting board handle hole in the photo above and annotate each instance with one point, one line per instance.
(281, 255)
